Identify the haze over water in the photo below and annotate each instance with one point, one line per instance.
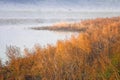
(16, 16)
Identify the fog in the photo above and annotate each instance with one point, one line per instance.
(60, 5)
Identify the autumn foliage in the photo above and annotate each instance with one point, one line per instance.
(93, 55)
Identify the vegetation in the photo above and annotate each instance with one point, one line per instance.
(93, 55)
(63, 27)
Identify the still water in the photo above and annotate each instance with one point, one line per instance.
(14, 27)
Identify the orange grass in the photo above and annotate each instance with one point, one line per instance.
(93, 55)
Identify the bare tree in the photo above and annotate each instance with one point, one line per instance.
(13, 52)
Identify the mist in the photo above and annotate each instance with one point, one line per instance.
(60, 5)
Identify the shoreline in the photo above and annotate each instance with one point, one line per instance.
(94, 52)
(60, 29)
(81, 26)
(63, 27)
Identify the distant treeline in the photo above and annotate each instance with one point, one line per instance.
(93, 55)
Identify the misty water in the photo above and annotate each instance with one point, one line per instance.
(14, 27)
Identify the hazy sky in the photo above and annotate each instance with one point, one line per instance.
(108, 5)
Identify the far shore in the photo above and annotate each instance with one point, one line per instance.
(82, 26)
(62, 27)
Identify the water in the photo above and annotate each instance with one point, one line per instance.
(14, 27)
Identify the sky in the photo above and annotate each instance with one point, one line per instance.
(80, 5)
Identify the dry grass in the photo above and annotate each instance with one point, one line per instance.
(93, 55)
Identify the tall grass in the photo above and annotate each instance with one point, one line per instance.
(93, 55)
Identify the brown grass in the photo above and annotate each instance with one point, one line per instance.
(93, 55)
